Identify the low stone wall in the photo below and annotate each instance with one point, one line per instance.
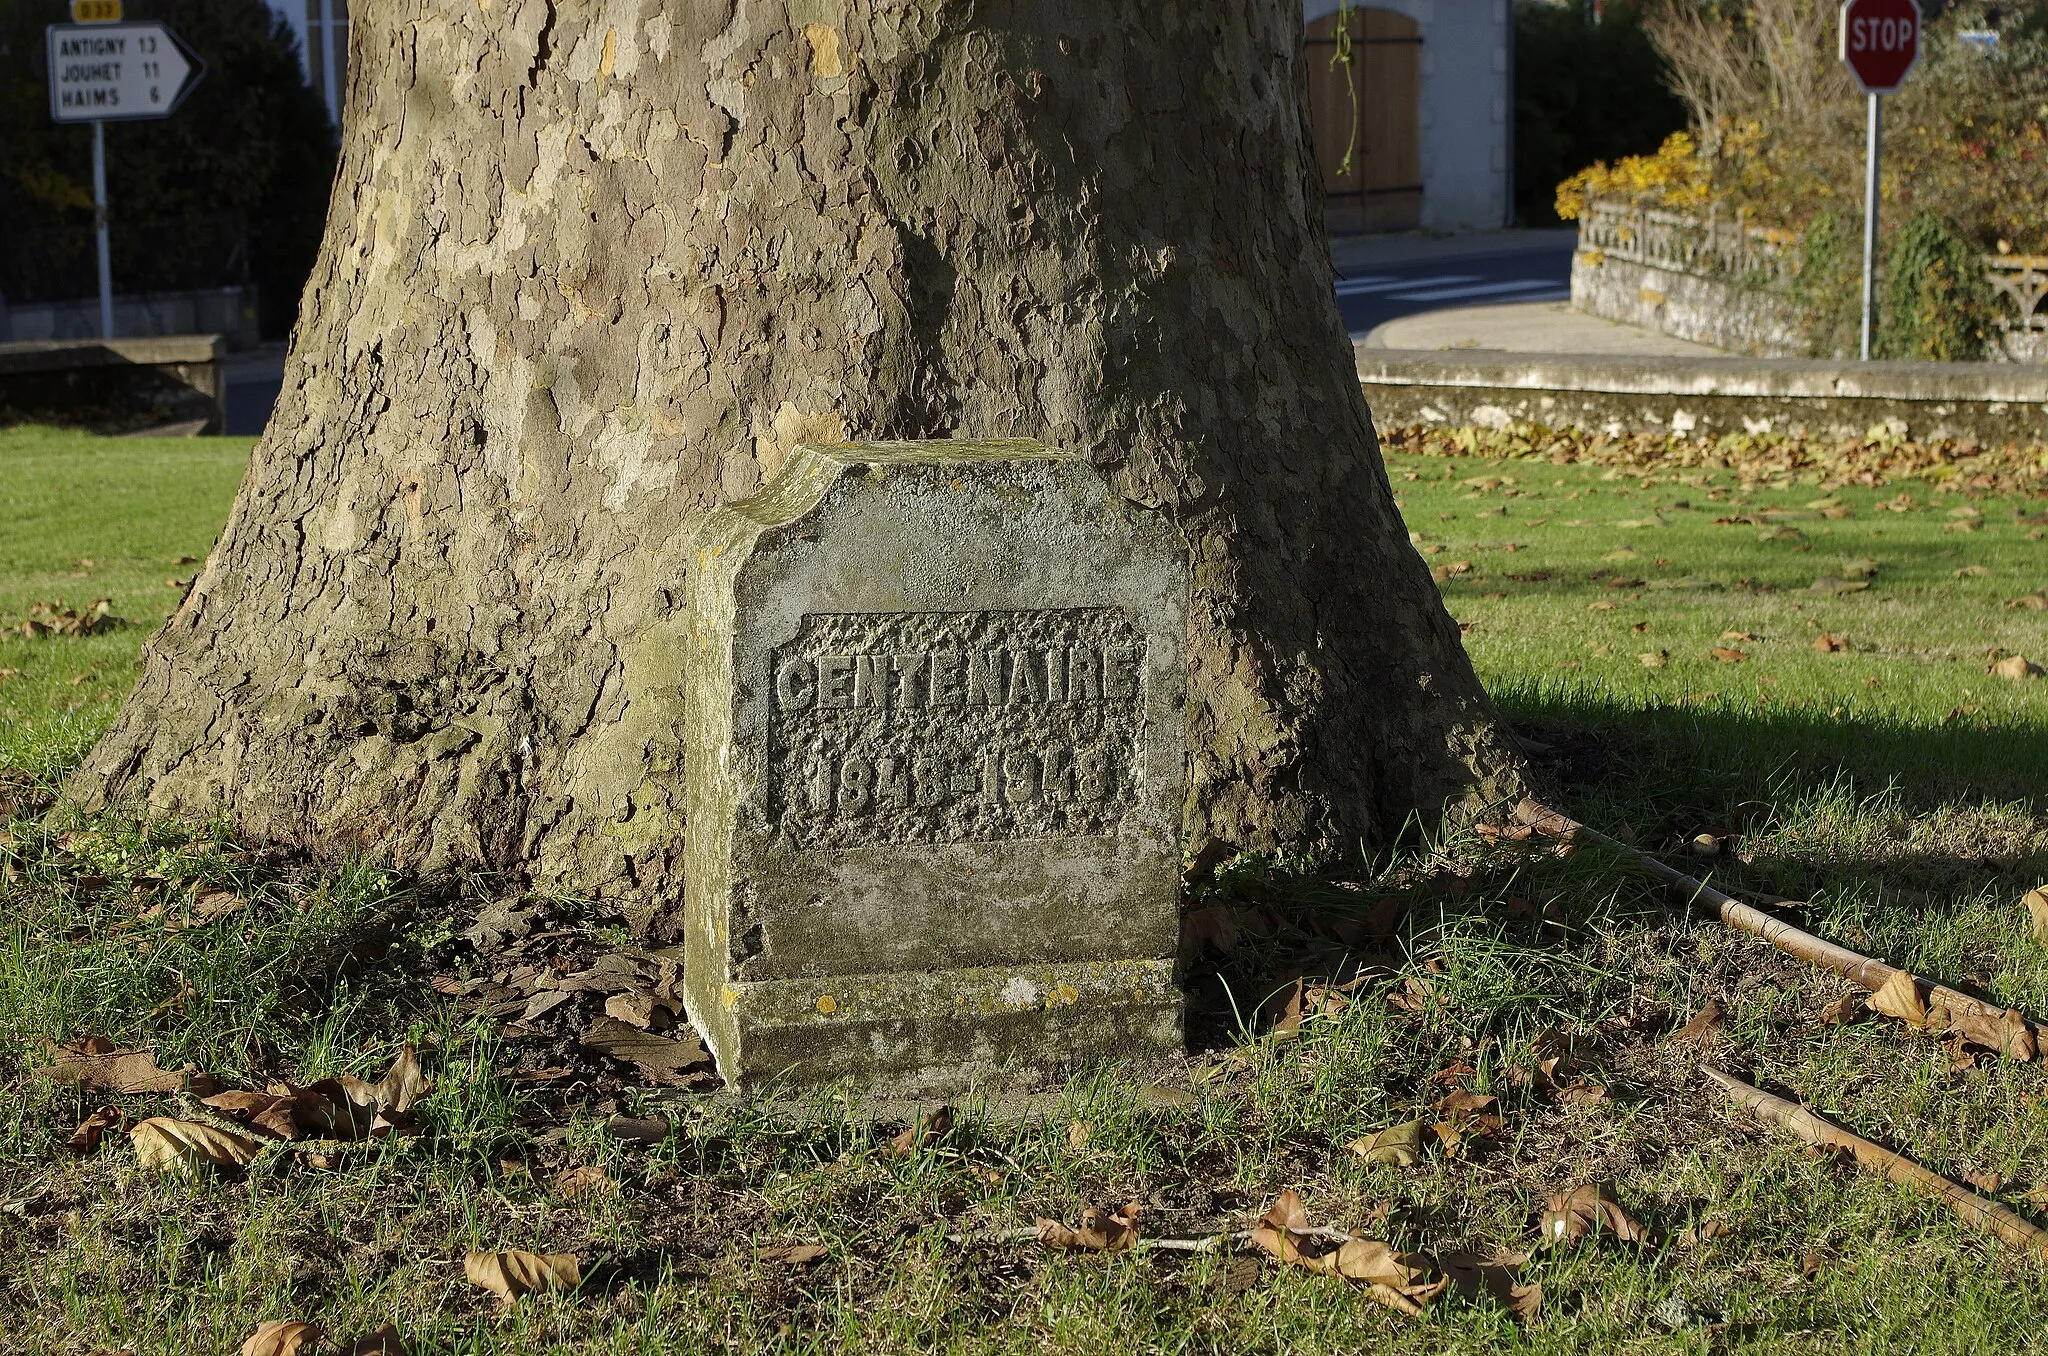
(1725, 315)
(117, 385)
(1975, 402)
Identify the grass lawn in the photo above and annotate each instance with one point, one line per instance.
(1886, 779)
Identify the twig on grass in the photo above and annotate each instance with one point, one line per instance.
(1194, 1243)
(1948, 1011)
(1803, 1124)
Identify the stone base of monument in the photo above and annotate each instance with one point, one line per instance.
(934, 750)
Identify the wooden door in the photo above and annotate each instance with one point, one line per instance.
(1382, 189)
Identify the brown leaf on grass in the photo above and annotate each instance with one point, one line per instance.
(86, 1138)
(1726, 655)
(2036, 601)
(1101, 1230)
(1463, 1103)
(638, 1007)
(1901, 998)
(402, 1084)
(1400, 1144)
(286, 1338)
(576, 1183)
(1706, 1229)
(271, 1112)
(1703, 1024)
(1399, 1281)
(2037, 912)
(795, 1254)
(168, 1144)
(1654, 659)
(508, 1275)
(1078, 1133)
(1472, 1276)
(928, 1129)
(383, 1340)
(203, 908)
(2014, 668)
(1589, 1209)
(1827, 583)
(94, 1063)
(1828, 643)
(1842, 1010)
(658, 1059)
(1986, 1182)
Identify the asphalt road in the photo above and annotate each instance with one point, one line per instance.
(1372, 295)
(1368, 294)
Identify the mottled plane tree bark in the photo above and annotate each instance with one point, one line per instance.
(594, 266)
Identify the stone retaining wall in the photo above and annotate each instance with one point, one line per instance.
(1975, 402)
(1725, 315)
(116, 385)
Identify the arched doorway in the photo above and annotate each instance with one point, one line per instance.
(1382, 188)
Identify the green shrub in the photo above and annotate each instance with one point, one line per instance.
(1825, 289)
(1933, 304)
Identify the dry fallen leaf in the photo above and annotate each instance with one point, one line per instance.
(86, 1138)
(588, 1180)
(1828, 643)
(1728, 656)
(96, 1064)
(1400, 1144)
(1588, 1209)
(1986, 1182)
(1703, 1024)
(2014, 667)
(927, 1130)
(383, 1340)
(508, 1275)
(2037, 910)
(1842, 1010)
(795, 1254)
(1397, 1280)
(186, 1146)
(1100, 1231)
(286, 1338)
(1472, 1276)
(1654, 659)
(1704, 1230)
(277, 1113)
(658, 1059)
(402, 1084)
(1901, 998)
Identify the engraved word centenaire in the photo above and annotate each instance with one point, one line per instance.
(955, 726)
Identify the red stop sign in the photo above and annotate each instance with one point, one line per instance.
(1880, 41)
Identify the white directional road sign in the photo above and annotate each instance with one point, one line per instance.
(108, 72)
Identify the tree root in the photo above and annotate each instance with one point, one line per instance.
(1948, 1011)
(1806, 1125)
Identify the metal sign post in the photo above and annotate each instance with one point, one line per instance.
(1880, 44)
(114, 72)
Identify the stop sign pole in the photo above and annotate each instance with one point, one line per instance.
(1880, 44)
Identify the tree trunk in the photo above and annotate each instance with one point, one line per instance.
(591, 268)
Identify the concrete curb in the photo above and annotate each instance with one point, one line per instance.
(117, 385)
(1704, 397)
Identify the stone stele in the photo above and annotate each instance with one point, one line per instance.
(934, 743)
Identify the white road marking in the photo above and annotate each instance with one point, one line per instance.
(1481, 290)
(1359, 287)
